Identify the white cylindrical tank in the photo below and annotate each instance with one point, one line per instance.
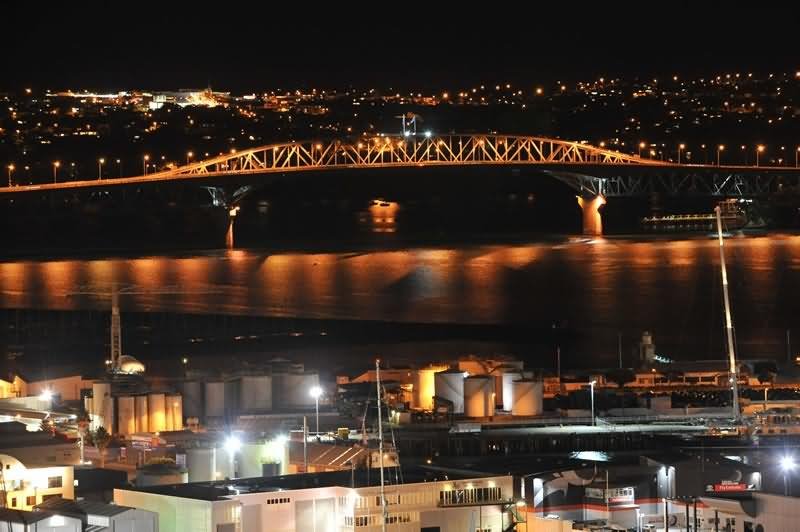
(249, 460)
(479, 396)
(255, 393)
(193, 399)
(201, 463)
(102, 406)
(142, 419)
(157, 418)
(224, 464)
(175, 411)
(528, 398)
(214, 399)
(126, 415)
(507, 398)
(449, 385)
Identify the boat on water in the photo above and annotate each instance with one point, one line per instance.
(733, 212)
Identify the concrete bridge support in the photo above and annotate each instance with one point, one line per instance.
(592, 219)
(229, 241)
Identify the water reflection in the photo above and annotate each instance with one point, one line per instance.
(598, 289)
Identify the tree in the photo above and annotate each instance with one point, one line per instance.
(101, 438)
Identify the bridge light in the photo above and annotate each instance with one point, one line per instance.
(360, 145)
(539, 91)
(318, 146)
(428, 134)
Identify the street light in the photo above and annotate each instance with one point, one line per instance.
(681, 147)
(787, 465)
(759, 150)
(642, 145)
(720, 149)
(796, 153)
(315, 392)
(56, 165)
(144, 163)
(119, 165)
(100, 162)
(189, 156)
(10, 171)
(591, 385)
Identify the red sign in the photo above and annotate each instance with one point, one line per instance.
(730, 486)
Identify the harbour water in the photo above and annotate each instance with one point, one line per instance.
(523, 297)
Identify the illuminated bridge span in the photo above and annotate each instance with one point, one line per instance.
(594, 173)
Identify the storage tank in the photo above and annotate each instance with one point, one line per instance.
(201, 463)
(255, 393)
(479, 396)
(156, 403)
(249, 460)
(126, 415)
(224, 464)
(214, 399)
(507, 388)
(102, 406)
(160, 474)
(296, 389)
(193, 399)
(449, 384)
(142, 419)
(424, 388)
(175, 412)
(527, 398)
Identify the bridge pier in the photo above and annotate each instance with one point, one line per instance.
(592, 219)
(229, 241)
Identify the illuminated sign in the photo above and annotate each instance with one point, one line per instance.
(726, 486)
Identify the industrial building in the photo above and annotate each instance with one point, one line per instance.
(426, 500)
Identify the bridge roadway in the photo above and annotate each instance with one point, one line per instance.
(594, 173)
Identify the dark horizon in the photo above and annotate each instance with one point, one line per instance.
(252, 48)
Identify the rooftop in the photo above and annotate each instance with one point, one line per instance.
(218, 490)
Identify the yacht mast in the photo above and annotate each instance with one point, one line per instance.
(380, 443)
(733, 371)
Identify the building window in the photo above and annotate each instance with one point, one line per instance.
(54, 482)
(30, 500)
(279, 500)
(13, 502)
(51, 496)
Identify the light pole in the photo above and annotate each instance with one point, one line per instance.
(796, 153)
(119, 166)
(56, 164)
(642, 145)
(759, 151)
(591, 386)
(720, 149)
(100, 163)
(10, 171)
(189, 156)
(787, 465)
(681, 147)
(316, 392)
(144, 163)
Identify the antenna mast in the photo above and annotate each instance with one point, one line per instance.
(380, 443)
(733, 370)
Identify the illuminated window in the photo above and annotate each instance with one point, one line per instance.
(30, 500)
(54, 482)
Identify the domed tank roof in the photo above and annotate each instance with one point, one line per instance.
(128, 364)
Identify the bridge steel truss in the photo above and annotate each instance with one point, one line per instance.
(588, 169)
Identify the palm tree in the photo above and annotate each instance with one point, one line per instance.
(101, 438)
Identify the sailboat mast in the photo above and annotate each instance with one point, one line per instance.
(734, 373)
(380, 443)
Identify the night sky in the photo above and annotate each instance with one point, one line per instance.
(236, 46)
